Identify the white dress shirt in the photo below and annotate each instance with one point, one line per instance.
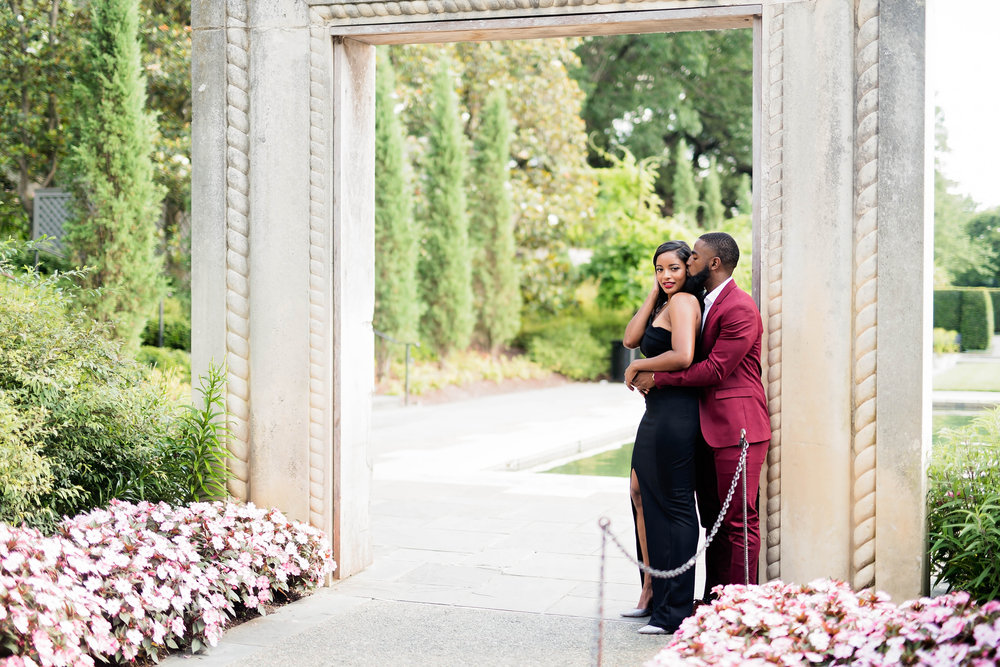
(710, 299)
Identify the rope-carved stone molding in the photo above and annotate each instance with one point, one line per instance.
(238, 244)
(773, 192)
(354, 10)
(866, 292)
(319, 253)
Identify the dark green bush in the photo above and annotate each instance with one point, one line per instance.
(586, 353)
(968, 310)
(976, 326)
(947, 308)
(572, 351)
(176, 325)
(963, 507)
(168, 360)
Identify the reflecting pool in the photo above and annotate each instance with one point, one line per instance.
(616, 462)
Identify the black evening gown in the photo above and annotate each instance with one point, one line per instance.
(663, 461)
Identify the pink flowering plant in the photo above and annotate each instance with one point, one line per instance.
(825, 622)
(133, 580)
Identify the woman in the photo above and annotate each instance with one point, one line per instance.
(662, 487)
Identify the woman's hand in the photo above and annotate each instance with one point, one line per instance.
(630, 373)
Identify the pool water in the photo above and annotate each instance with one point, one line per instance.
(611, 463)
(617, 462)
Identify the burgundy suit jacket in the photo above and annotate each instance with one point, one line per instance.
(729, 372)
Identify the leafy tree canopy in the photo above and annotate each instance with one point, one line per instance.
(647, 92)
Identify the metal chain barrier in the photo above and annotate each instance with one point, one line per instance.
(605, 525)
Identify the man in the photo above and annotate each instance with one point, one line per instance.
(727, 367)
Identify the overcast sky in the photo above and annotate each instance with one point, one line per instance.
(963, 55)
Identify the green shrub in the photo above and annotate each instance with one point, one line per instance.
(79, 423)
(947, 308)
(25, 475)
(572, 351)
(976, 326)
(168, 360)
(176, 325)
(945, 341)
(963, 507)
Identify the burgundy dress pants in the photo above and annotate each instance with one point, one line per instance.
(715, 467)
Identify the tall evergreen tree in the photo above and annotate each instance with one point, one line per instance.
(711, 198)
(117, 201)
(495, 282)
(445, 264)
(744, 195)
(684, 190)
(397, 309)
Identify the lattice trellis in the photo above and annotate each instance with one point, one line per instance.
(51, 210)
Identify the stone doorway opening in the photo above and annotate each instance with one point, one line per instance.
(455, 519)
(282, 253)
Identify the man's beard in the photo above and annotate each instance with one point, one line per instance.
(696, 283)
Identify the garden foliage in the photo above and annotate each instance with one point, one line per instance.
(135, 580)
(945, 341)
(176, 325)
(83, 424)
(577, 343)
(963, 507)
(825, 622)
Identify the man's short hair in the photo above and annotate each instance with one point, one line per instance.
(724, 246)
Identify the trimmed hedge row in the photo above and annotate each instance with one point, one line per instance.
(994, 293)
(969, 311)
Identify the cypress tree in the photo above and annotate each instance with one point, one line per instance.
(445, 265)
(397, 309)
(711, 198)
(744, 196)
(491, 228)
(684, 190)
(111, 171)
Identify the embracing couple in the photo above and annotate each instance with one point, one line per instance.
(700, 335)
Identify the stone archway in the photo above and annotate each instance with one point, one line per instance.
(283, 249)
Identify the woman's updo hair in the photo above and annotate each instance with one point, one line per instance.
(682, 249)
(683, 252)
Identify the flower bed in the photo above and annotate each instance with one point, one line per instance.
(825, 622)
(129, 581)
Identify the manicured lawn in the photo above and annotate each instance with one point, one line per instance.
(975, 376)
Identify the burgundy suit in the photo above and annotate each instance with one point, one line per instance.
(729, 372)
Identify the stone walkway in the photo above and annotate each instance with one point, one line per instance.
(479, 557)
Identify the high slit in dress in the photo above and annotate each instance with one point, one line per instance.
(663, 461)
